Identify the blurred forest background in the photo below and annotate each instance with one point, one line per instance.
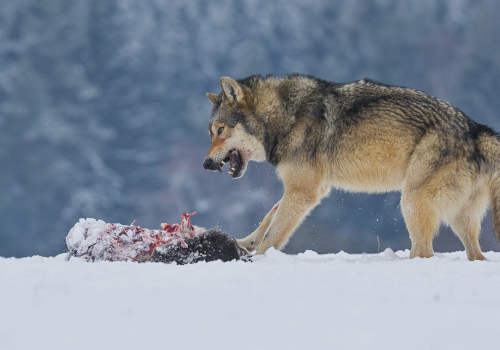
(103, 111)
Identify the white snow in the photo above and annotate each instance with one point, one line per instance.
(308, 301)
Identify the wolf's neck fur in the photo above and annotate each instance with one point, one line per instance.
(278, 104)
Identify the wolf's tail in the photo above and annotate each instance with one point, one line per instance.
(489, 146)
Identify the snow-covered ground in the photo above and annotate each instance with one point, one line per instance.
(308, 301)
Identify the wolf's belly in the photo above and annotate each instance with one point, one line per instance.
(372, 180)
(369, 170)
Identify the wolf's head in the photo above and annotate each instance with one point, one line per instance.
(233, 141)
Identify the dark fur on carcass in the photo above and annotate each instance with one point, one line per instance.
(208, 246)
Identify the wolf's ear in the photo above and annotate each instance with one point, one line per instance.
(232, 90)
(212, 97)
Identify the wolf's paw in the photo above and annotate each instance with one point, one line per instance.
(247, 245)
(421, 251)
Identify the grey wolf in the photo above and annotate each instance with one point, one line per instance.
(360, 136)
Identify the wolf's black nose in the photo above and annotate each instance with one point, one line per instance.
(207, 163)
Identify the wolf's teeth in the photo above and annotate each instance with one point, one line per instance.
(230, 172)
(233, 169)
(222, 162)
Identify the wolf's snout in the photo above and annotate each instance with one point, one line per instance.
(209, 164)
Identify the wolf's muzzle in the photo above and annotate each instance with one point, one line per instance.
(210, 164)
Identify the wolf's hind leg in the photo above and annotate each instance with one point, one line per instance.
(421, 221)
(467, 229)
(467, 224)
(253, 240)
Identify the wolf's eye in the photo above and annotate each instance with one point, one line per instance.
(220, 130)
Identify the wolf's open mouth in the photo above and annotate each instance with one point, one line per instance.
(235, 163)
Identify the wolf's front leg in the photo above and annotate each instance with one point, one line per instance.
(253, 240)
(295, 205)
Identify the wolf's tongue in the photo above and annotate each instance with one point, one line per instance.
(234, 160)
